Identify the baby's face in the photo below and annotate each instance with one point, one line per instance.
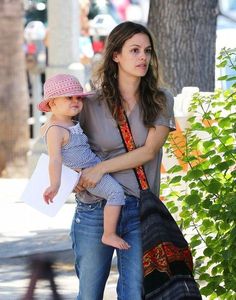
(71, 106)
(76, 102)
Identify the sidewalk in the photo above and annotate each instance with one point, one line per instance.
(25, 232)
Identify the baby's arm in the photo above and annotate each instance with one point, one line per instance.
(55, 138)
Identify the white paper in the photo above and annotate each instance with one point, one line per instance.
(39, 181)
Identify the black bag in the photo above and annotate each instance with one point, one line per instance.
(167, 259)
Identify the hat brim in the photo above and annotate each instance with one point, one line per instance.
(43, 105)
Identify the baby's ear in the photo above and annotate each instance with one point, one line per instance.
(51, 103)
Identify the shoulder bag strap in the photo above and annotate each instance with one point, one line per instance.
(126, 134)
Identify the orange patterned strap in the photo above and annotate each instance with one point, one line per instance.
(130, 145)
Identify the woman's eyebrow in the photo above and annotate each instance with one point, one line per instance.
(137, 45)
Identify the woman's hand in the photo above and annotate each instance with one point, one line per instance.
(89, 178)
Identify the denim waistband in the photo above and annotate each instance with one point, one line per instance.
(129, 200)
(132, 201)
(99, 203)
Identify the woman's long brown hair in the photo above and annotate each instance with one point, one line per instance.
(152, 99)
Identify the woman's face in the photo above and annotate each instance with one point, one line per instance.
(134, 58)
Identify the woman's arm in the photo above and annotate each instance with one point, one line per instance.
(155, 140)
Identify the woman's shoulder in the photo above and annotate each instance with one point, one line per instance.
(169, 96)
(93, 97)
(91, 108)
(169, 99)
(166, 117)
(93, 103)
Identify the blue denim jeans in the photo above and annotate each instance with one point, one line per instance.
(93, 259)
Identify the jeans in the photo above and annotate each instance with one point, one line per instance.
(93, 259)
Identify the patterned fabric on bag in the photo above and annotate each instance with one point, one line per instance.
(167, 259)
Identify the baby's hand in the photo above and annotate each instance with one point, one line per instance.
(49, 194)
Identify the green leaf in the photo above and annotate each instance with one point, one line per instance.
(197, 126)
(185, 214)
(191, 119)
(216, 207)
(208, 252)
(223, 77)
(215, 270)
(221, 65)
(192, 185)
(173, 210)
(227, 140)
(195, 174)
(213, 296)
(231, 78)
(175, 169)
(216, 257)
(207, 223)
(176, 179)
(214, 186)
(208, 144)
(204, 276)
(206, 291)
(208, 154)
(222, 166)
(206, 203)
(195, 243)
(192, 199)
(216, 159)
(226, 122)
(220, 290)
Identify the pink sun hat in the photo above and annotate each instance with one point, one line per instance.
(61, 85)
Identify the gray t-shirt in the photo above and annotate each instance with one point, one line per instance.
(105, 140)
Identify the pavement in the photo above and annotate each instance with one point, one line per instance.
(26, 234)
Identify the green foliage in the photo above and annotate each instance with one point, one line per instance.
(204, 196)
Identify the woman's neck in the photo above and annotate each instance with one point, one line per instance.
(130, 93)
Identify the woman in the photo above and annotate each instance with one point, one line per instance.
(128, 76)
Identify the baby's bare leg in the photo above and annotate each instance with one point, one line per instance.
(111, 216)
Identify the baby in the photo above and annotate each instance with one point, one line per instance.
(67, 144)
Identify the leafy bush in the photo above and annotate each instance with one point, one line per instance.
(204, 196)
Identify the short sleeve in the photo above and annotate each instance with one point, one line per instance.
(167, 118)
